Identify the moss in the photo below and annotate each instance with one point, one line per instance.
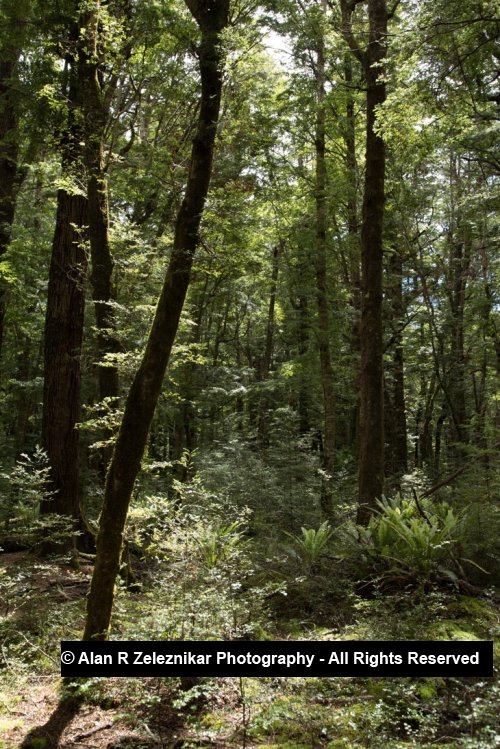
(37, 744)
(213, 721)
(450, 629)
(427, 691)
(481, 611)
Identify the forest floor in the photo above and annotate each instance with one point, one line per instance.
(42, 602)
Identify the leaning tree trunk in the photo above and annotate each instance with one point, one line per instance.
(141, 401)
(326, 371)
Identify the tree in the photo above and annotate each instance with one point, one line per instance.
(141, 401)
(321, 275)
(66, 295)
(14, 17)
(96, 103)
(371, 452)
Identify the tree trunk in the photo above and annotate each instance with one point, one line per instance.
(326, 371)
(65, 311)
(304, 395)
(397, 444)
(144, 392)
(265, 367)
(9, 153)
(63, 343)
(96, 116)
(371, 458)
(353, 243)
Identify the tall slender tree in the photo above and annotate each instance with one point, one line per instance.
(371, 443)
(96, 111)
(212, 18)
(322, 300)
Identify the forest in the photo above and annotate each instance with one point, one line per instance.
(249, 355)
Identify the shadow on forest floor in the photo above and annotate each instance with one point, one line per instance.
(73, 723)
(47, 736)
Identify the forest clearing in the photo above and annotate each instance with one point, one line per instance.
(249, 358)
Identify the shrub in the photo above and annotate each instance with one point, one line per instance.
(409, 542)
(24, 488)
(311, 545)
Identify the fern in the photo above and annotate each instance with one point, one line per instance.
(311, 545)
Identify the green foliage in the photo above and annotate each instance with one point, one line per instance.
(22, 491)
(311, 545)
(218, 543)
(406, 542)
(207, 586)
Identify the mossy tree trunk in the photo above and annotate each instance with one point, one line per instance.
(141, 401)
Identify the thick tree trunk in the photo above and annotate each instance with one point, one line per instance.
(304, 395)
(371, 457)
(63, 343)
(326, 369)
(144, 392)
(65, 312)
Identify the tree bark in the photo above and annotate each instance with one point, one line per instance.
(371, 457)
(141, 401)
(63, 342)
(353, 243)
(326, 370)
(65, 310)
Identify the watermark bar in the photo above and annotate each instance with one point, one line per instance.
(281, 658)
